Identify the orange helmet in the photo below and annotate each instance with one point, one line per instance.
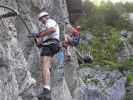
(78, 27)
(76, 31)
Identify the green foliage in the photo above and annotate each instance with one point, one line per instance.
(95, 81)
(128, 96)
(104, 47)
(105, 22)
(129, 6)
(109, 14)
(128, 62)
(130, 40)
(83, 47)
(130, 78)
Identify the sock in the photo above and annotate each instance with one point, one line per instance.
(47, 87)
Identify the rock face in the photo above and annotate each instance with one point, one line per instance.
(19, 60)
(103, 85)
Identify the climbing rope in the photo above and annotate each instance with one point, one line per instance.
(15, 13)
(9, 14)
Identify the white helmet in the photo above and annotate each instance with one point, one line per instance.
(42, 14)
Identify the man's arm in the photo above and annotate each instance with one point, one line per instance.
(47, 32)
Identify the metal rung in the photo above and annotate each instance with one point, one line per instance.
(9, 14)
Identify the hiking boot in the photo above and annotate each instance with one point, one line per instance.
(45, 95)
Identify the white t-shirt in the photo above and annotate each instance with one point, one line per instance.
(56, 35)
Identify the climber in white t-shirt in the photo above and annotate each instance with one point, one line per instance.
(48, 41)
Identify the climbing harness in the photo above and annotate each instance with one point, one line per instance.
(15, 13)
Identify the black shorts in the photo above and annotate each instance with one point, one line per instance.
(50, 50)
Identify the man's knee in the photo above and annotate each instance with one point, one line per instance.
(46, 69)
(46, 62)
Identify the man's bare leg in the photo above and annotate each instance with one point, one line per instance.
(46, 65)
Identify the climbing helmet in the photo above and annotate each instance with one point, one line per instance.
(44, 13)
